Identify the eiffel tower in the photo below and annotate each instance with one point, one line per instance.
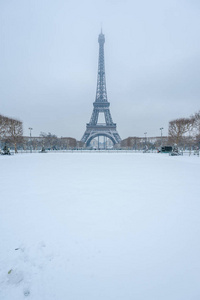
(101, 105)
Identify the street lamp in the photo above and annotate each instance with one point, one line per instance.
(161, 129)
(30, 128)
(145, 133)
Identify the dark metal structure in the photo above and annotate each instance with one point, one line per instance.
(101, 105)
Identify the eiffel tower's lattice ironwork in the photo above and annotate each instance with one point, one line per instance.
(101, 105)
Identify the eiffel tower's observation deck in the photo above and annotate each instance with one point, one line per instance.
(101, 105)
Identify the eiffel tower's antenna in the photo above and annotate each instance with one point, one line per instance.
(101, 94)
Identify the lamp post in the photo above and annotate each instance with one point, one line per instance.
(161, 129)
(30, 128)
(145, 133)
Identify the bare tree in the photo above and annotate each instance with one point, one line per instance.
(15, 132)
(49, 140)
(178, 128)
(11, 131)
(3, 126)
(196, 126)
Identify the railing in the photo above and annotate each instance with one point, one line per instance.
(183, 153)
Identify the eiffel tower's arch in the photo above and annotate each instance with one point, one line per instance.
(93, 136)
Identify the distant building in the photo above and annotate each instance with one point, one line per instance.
(138, 143)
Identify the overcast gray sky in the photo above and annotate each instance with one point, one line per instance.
(49, 58)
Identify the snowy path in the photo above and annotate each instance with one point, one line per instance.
(99, 226)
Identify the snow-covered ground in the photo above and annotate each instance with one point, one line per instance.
(99, 226)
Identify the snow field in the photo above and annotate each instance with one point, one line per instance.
(99, 226)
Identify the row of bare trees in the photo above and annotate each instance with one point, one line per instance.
(11, 131)
(11, 135)
(49, 141)
(185, 132)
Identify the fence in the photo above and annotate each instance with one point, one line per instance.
(185, 153)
